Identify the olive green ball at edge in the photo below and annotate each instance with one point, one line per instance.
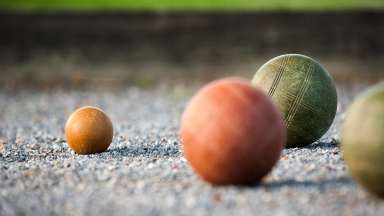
(362, 140)
(305, 94)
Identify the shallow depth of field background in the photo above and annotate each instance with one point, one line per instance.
(141, 61)
(144, 42)
(192, 5)
(123, 42)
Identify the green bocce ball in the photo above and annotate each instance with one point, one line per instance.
(362, 140)
(305, 94)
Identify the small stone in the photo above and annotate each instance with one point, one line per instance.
(2, 143)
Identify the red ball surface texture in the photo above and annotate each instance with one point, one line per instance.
(232, 133)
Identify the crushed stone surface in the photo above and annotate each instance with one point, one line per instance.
(144, 171)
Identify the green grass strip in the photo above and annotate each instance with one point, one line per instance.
(191, 5)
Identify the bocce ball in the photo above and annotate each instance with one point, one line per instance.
(363, 140)
(305, 94)
(88, 130)
(232, 133)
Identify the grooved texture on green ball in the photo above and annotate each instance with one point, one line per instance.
(305, 94)
(363, 140)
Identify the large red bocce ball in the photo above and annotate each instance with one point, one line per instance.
(232, 133)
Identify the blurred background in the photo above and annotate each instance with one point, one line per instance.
(112, 43)
(140, 61)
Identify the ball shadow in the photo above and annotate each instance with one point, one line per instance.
(306, 184)
(322, 145)
(137, 151)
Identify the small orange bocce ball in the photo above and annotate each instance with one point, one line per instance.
(232, 133)
(89, 130)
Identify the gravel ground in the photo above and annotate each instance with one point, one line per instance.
(144, 171)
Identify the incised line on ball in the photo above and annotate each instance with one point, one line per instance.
(293, 97)
(303, 88)
(278, 76)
